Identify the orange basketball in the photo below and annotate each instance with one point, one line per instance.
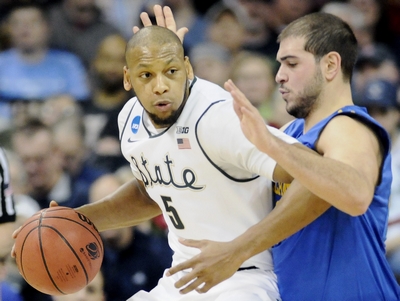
(58, 251)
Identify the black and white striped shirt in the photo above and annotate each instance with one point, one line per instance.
(7, 209)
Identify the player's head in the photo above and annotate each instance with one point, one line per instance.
(158, 72)
(314, 50)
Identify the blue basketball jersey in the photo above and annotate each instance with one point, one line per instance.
(338, 256)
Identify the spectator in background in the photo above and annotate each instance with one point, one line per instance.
(122, 14)
(376, 19)
(30, 70)
(185, 15)
(372, 63)
(77, 26)
(35, 144)
(69, 139)
(254, 74)
(226, 27)
(57, 108)
(362, 20)
(393, 11)
(381, 100)
(274, 15)
(130, 261)
(211, 61)
(353, 16)
(108, 98)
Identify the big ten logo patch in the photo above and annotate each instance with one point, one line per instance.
(182, 129)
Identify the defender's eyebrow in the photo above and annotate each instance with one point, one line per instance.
(284, 58)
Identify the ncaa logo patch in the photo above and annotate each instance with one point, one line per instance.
(135, 124)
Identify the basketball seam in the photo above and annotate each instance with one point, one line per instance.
(73, 251)
(95, 234)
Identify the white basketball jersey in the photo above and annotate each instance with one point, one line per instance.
(199, 199)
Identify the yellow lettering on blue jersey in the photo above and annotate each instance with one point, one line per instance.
(280, 188)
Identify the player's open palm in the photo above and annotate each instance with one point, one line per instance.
(251, 122)
(215, 263)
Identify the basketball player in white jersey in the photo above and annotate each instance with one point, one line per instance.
(191, 163)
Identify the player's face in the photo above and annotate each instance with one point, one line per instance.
(299, 76)
(159, 77)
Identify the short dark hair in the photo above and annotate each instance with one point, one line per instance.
(153, 35)
(325, 33)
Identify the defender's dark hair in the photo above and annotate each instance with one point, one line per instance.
(324, 33)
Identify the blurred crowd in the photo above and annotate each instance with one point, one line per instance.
(61, 90)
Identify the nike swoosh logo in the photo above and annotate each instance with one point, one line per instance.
(132, 141)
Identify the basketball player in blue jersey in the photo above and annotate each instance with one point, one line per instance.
(340, 255)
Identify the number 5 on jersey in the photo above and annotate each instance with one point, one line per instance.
(172, 213)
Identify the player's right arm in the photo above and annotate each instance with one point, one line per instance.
(218, 261)
(128, 206)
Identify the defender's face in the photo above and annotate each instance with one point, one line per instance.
(299, 76)
(159, 77)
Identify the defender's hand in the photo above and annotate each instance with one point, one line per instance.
(215, 263)
(252, 124)
(164, 18)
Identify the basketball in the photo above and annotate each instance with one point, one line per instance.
(58, 251)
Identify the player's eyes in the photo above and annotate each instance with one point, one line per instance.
(145, 75)
(172, 71)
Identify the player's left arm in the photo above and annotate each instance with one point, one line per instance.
(218, 261)
(347, 172)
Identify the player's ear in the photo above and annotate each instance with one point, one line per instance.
(332, 65)
(127, 79)
(189, 68)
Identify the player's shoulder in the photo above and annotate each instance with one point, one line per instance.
(127, 109)
(205, 89)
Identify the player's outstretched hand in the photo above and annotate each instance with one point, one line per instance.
(251, 121)
(164, 18)
(16, 232)
(216, 262)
